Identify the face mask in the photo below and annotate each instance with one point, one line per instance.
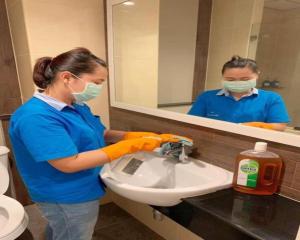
(238, 86)
(90, 91)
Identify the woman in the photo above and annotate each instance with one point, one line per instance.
(239, 101)
(59, 144)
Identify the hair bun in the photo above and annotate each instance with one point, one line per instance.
(235, 58)
(42, 74)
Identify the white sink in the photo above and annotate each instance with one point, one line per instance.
(155, 180)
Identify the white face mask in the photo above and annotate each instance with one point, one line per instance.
(239, 86)
(90, 91)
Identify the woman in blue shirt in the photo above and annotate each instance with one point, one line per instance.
(239, 101)
(59, 145)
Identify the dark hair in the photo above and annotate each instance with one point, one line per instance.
(76, 61)
(239, 62)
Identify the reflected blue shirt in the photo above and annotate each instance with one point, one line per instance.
(258, 106)
(45, 129)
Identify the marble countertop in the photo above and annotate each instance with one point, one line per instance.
(228, 214)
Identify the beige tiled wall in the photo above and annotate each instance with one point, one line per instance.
(136, 52)
(280, 31)
(49, 27)
(231, 24)
(177, 43)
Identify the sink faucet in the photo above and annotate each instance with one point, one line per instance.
(182, 156)
(176, 150)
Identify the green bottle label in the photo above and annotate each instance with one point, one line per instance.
(248, 173)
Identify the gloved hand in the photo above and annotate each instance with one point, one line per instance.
(259, 124)
(166, 137)
(131, 135)
(123, 147)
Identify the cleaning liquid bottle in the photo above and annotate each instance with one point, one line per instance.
(257, 171)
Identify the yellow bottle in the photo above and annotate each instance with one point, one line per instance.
(257, 171)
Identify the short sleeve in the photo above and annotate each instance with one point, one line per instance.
(277, 112)
(45, 138)
(199, 107)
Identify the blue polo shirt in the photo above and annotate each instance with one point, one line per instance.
(257, 106)
(45, 129)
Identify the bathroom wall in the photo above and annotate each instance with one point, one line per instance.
(10, 96)
(231, 25)
(47, 28)
(147, 59)
(213, 146)
(280, 30)
(136, 52)
(177, 43)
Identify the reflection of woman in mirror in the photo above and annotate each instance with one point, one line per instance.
(239, 101)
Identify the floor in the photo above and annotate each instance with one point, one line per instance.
(113, 224)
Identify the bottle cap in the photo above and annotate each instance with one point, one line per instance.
(260, 147)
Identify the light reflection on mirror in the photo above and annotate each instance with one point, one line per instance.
(167, 52)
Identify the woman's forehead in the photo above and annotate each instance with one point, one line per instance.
(238, 71)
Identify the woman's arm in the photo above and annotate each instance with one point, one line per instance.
(98, 157)
(112, 136)
(278, 126)
(272, 126)
(81, 161)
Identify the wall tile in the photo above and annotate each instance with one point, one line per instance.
(9, 86)
(18, 28)
(290, 192)
(296, 179)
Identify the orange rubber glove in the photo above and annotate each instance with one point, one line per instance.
(123, 147)
(167, 137)
(131, 135)
(259, 124)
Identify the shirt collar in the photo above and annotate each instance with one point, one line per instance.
(226, 93)
(58, 105)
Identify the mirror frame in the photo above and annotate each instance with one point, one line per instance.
(264, 134)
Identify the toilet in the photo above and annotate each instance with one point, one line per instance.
(13, 218)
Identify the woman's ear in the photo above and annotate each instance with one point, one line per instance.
(65, 76)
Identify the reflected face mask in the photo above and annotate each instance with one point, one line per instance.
(90, 91)
(239, 86)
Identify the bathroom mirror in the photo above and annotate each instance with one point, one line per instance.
(163, 53)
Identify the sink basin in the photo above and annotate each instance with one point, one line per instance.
(162, 181)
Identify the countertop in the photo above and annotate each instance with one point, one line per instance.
(228, 214)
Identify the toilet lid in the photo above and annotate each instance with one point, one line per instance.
(17, 219)
(4, 179)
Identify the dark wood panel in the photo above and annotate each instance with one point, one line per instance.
(296, 180)
(10, 96)
(9, 85)
(202, 44)
(216, 147)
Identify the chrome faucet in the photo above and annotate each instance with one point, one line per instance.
(176, 150)
(182, 156)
